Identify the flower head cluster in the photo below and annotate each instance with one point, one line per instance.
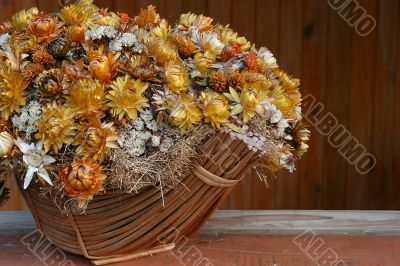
(84, 80)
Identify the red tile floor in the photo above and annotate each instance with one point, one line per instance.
(227, 240)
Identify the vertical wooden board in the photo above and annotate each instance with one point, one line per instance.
(383, 93)
(104, 4)
(171, 9)
(389, 55)
(267, 34)
(290, 59)
(196, 7)
(313, 80)
(396, 149)
(220, 11)
(48, 6)
(243, 21)
(7, 10)
(24, 4)
(124, 6)
(336, 102)
(360, 112)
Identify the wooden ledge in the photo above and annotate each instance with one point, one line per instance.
(282, 222)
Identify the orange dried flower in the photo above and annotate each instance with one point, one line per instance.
(147, 17)
(47, 83)
(124, 18)
(32, 70)
(185, 45)
(103, 66)
(43, 58)
(230, 51)
(43, 27)
(236, 79)
(218, 81)
(83, 178)
(251, 61)
(5, 124)
(94, 139)
(5, 27)
(140, 66)
(76, 34)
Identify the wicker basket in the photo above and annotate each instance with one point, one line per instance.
(118, 227)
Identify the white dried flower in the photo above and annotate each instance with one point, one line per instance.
(100, 32)
(152, 125)
(35, 158)
(138, 124)
(166, 144)
(155, 141)
(25, 122)
(147, 115)
(287, 162)
(4, 38)
(282, 125)
(123, 40)
(210, 42)
(267, 57)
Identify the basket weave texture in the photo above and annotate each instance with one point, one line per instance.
(118, 224)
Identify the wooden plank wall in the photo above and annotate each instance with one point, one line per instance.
(356, 78)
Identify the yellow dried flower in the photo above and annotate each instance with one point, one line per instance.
(161, 31)
(82, 13)
(204, 61)
(254, 80)
(184, 112)
(162, 50)
(94, 139)
(248, 103)
(56, 126)
(176, 77)
(215, 108)
(12, 87)
(126, 97)
(285, 104)
(83, 178)
(23, 18)
(301, 135)
(105, 18)
(7, 143)
(201, 22)
(87, 98)
(227, 36)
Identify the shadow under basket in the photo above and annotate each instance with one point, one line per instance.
(119, 227)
